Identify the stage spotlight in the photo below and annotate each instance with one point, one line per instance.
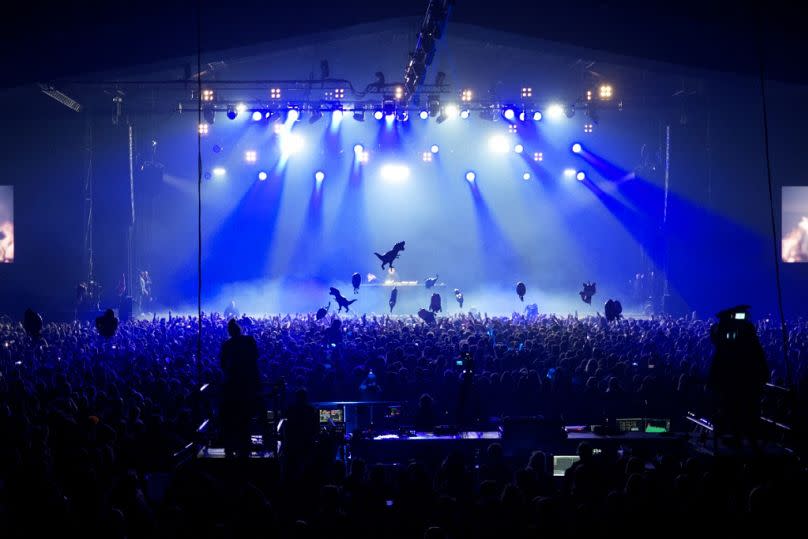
(292, 116)
(470, 176)
(536, 116)
(580, 176)
(509, 113)
(389, 107)
(336, 116)
(399, 92)
(364, 157)
(359, 115)
(219, 172)
(538, 156)
(449, 112)
(498, 144)
(605, 92)
(512, 128)
(522, 116)
(275, 93)
(278, 129)
(434, 148)
(569, 172)
(231, 112)
(555, 111)
(465, 114)
(250, 156)
(339, 93)
(291, 143)
(527, 91)
(424, 114)
(378, 114)
(358, 149)
(526, 176)
(427, 157)
(589, 95)
(588, 128)
(316, 114)
(319, 175)
(203, 129)
(576, 148)
(262, 175)
(241, 108)
(207, 95)
(518, 148)
(395, 172)
(466, 95)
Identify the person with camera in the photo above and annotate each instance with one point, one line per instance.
(737, 376)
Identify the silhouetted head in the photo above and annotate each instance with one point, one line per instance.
(301, 396)
(233, 329)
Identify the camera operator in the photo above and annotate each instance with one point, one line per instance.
(737, 375)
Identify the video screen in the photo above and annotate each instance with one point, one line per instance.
(6, 224)
(561, 463)
(795, 224)
(333, 414)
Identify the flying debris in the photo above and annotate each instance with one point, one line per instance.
(434, 303)
(391, 255)
(426, 316)
(429, 282)
(459, 297)
(356, 280)
(321, 312)
(342, 303)
(521, 290)
(586, 294)
(393, 298)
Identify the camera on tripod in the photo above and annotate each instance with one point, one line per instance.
(733, 325)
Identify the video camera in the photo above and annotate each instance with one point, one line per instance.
(733, 325)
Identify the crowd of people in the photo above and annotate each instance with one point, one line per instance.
(89, 425)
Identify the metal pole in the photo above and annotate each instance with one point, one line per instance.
(665, 217)
(130, 239)
(88, 199)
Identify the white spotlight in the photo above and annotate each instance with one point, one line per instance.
(499, 144)
(423, 114)
(241, 108)
(526, 176)
(434, 148)
(395, 172)
(537, 116)
(555, 111)
(250, 156)
(569, 172)
(293, 116)
(576, 148)
(219, 172)
(256, 116)
(581, 176)
(291, 143)
(465, 114)
(319, 175)
(471, 176)
(262, 175)
(451, 111)
(518, 148)
(358, 149)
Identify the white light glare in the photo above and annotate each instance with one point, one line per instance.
(555, 111)
(291, 143)
(434, 148)
(470, 176)
(395, 172)
(219, 172)
(569, 172)
(576, 148)
(319, 175)
(499, 144)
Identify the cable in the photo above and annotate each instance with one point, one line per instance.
(199, 187)
(783, 325)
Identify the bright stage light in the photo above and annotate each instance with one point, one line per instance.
(509, 113)
(537, 116)
(569, 172)
(518, 148)
(580, 176)
(231, 112)
(526, 176)
(358, 149)
(522, 116)
(434, 148)
(427, 157)
(291, 143)
(203, 129)
(378, 115)
(538, 156)
(256, 116)
(499, 144)
(399, 92)
(319, 175)
(466, 95)
(250, 156)
(465, 114)
(470, 176)
(605, 92)
(555, 111)
(588, 128)
(527, 91)
(278, 129)
(336, 117)
(275, 93)
(219, 172)
(262, 175)
(424, 114)
(395, 172)
(292, 116)
(576, 148)
(241, 108)
(207, 95)
(451, 111)
(512, 128)
(364, 157)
